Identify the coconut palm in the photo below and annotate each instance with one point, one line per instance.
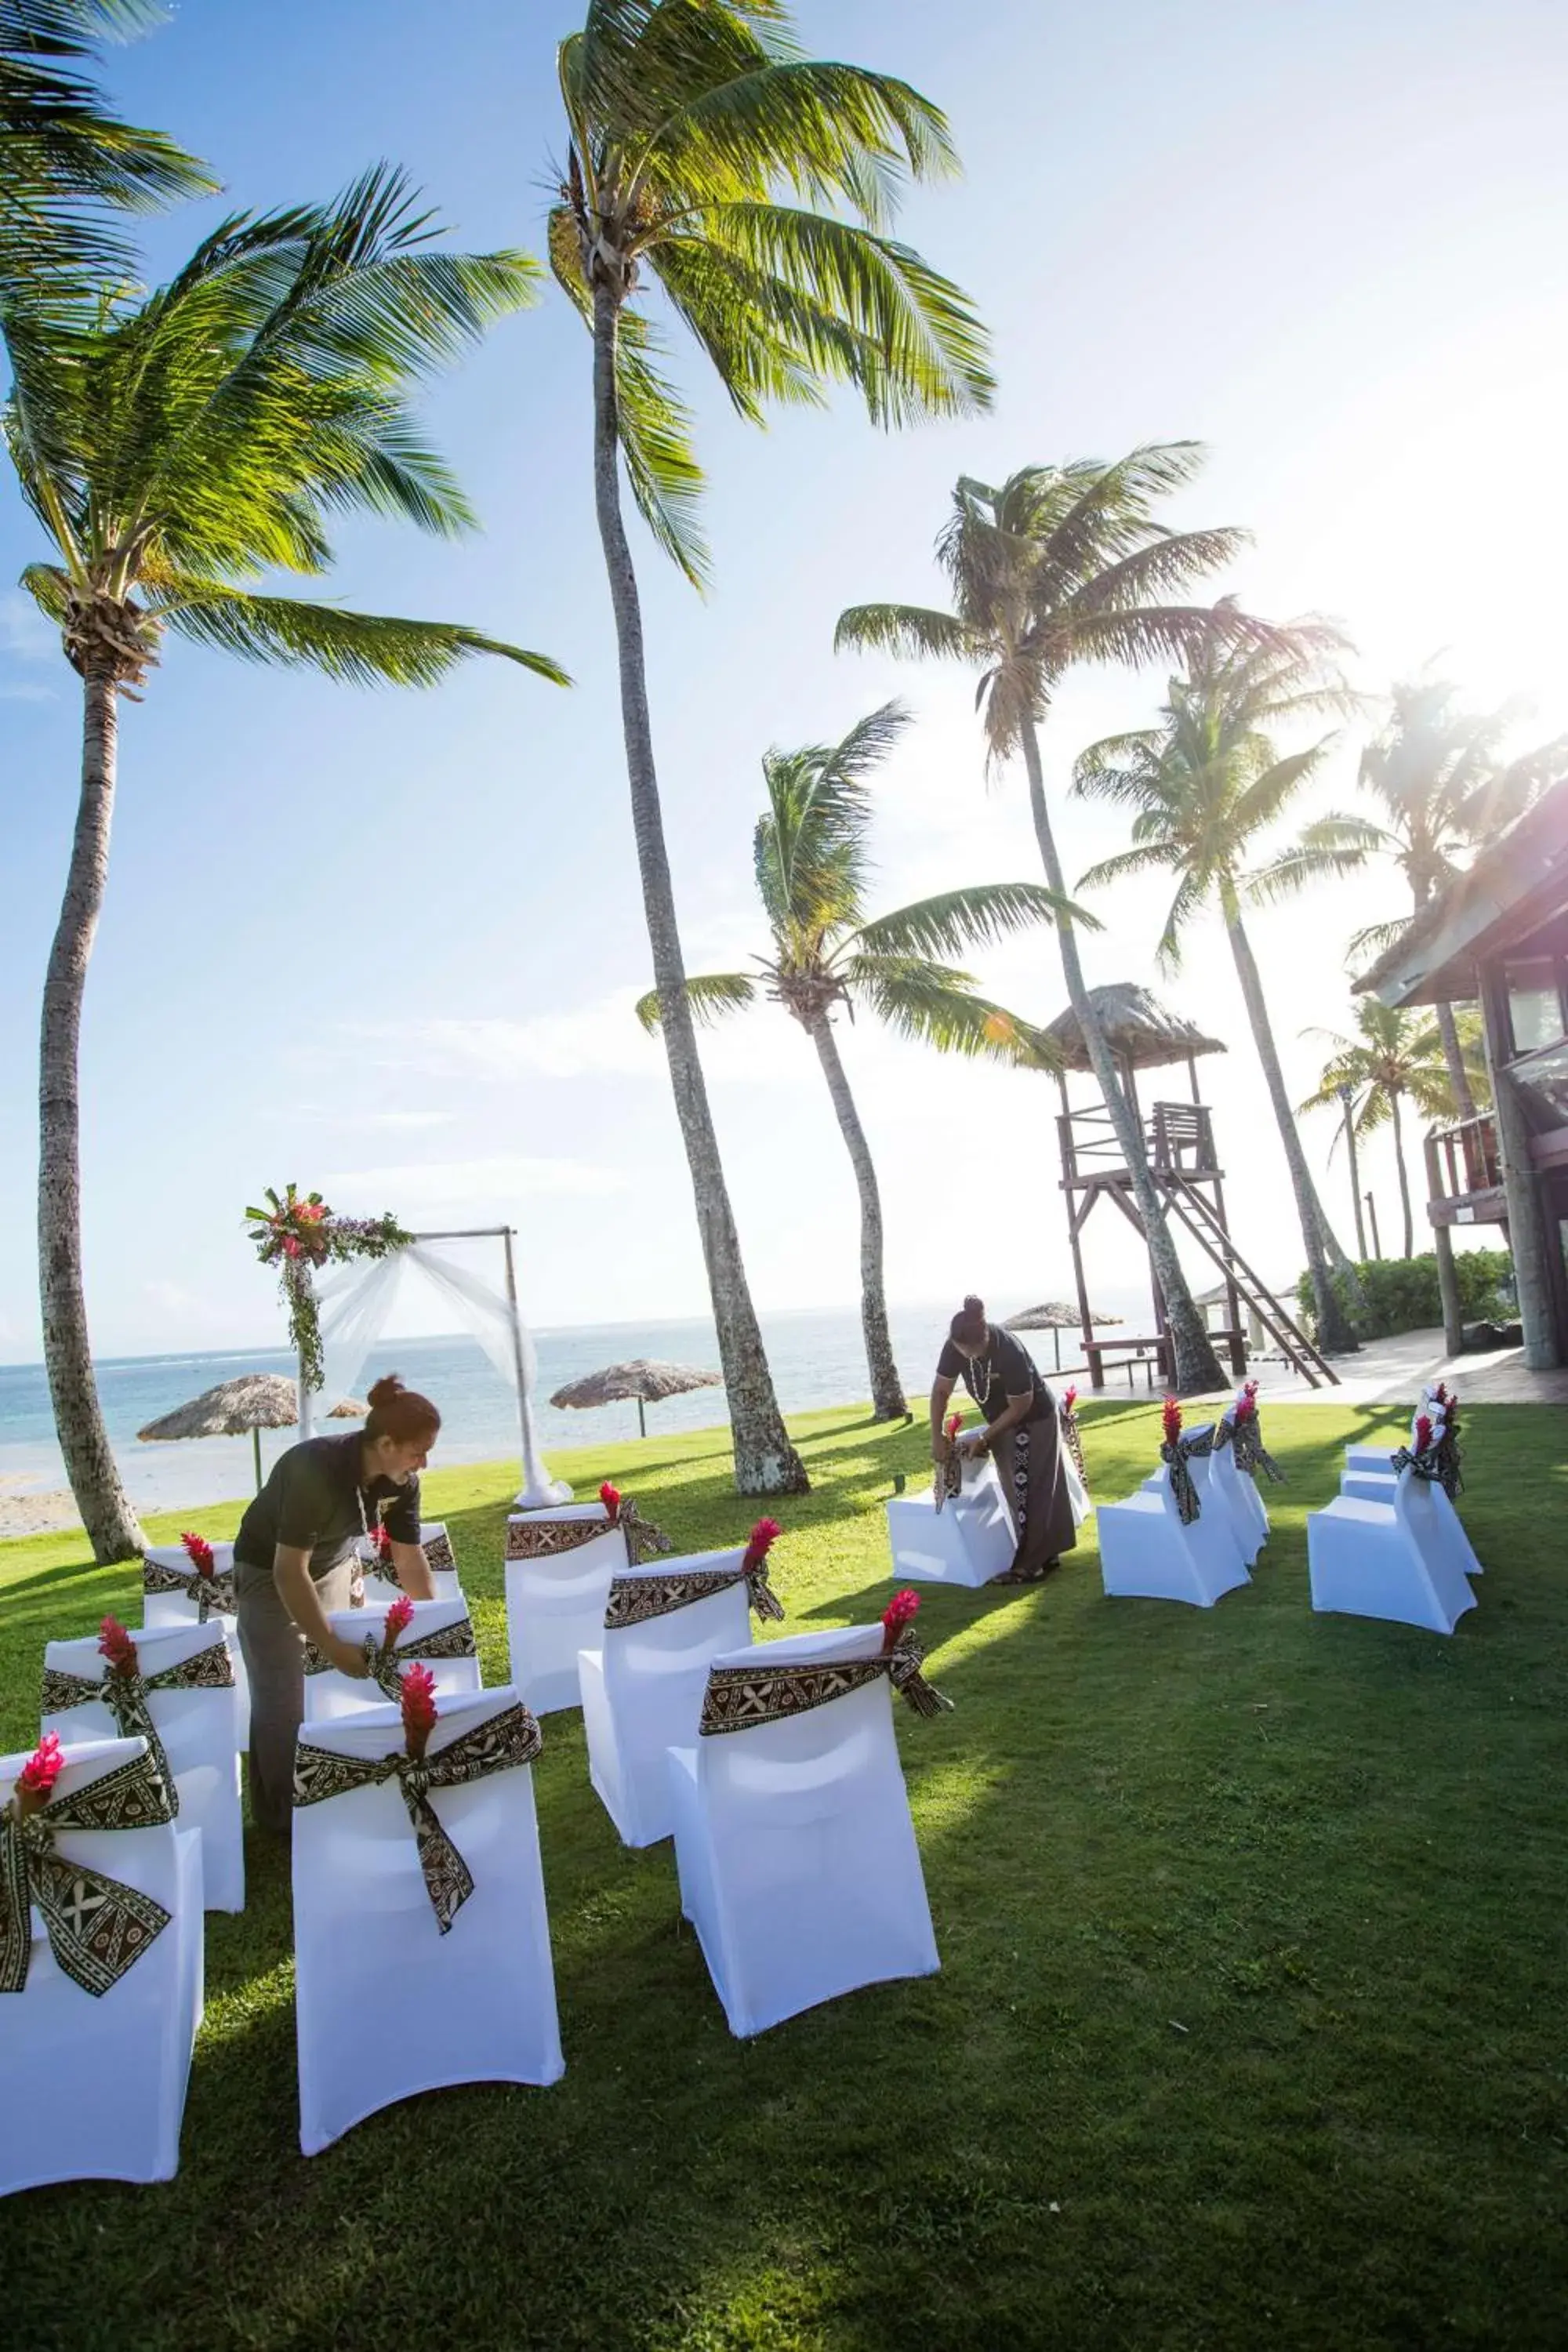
(1204, 788)
(176, 448)
(1063, 565)
(1397, 1056)
(1446, 787)
(826, 950)
(751, 187)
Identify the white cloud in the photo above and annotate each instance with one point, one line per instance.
(434, 1183)
(596, 1040)
(27, 694)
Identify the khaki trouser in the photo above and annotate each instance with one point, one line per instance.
(274, 1651)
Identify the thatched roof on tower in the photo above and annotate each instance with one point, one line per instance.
(1138, 1029)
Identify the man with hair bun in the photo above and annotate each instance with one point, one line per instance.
(293, 1561)
(1022, 1431)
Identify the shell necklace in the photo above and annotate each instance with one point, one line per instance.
(981, 1395)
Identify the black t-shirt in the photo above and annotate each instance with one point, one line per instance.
(1006, 1370)
(312, 1502)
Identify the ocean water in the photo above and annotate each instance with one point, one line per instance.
(818, 1358)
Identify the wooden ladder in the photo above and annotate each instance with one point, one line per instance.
(1205, 1229)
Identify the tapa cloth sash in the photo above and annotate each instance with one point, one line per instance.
(1438, 1463)
(739, 1696)
(437, 1558)
(507, 1739)
(208, 1592)
(1176, 1458)
(635, 1598)
(1072, 1441)
(97, 1925)
(125, 1696)
(447, 1642)
(543, 1539)
(1243, 1433)
(947, 1476)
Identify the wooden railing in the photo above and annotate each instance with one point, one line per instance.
(1467, 1157)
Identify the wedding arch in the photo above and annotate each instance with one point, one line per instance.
(336, 1322)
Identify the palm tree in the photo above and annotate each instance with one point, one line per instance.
(175, 448)
(690, 128)
(1204, 786)
(1447, 789)
(826, 950)
(1397, 1055)
(1063, 565)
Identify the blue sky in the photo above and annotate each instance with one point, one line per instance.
(387, 944)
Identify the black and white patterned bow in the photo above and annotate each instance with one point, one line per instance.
(1072, 1439)
(1243, 1433)
(126, 1696)
(97, 1926)
(636, 1599)
(382, 1659)
(209, 1592)
(1193, 1447)
(739, 1696)
(500, 1745)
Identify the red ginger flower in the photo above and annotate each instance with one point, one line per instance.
(763, 1536)
(1171, 1421)
(381, 1537)
(1070, 1400)
(611, 1498)
(954, 1424)
(399, 1617)
(116, 1645)
(1247, 1402)
(43, 1768)
(900, 1610)
(419, 1709)
(1423, 1432)
(199, 1552)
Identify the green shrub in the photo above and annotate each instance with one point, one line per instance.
(1402, 1293)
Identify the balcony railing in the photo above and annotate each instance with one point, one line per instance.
(1466, 1157)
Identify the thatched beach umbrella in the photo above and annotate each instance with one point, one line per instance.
(1055, 1316)
(255, 1402)
(644, 1378)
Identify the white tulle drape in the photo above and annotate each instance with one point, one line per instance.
(355, 1305)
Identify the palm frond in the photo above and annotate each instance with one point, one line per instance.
(936, 1006)
(913, 630)
(358, 649)
(709, 995)
(957, 919)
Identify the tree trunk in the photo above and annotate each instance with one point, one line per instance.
(1355, 1179)
(106, 1513)
(1197, 1366)
(1458, 1076)
(765, 1461)
(888, 1400)
(1404, 1175)
(1335, 1337)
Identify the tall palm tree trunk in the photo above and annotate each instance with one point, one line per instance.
(1403, 1176)
(765, 1461)
(1458, 1076)
(1197, 1366)
(1335, 1336)
(1355, 1179)
(888, 1399)
(106, 1513)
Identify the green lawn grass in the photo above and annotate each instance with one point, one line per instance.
(1250, 2029)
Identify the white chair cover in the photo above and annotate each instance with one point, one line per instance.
(437, 1545)
(475, 2005)
(92, 2087)
(330, 1694)
(197, 1729)
(1387, 1558)
(555, 1601)
(1366, 1464)
(970, 1540)
(642, 1692)
(180, 1609)
(1147, 1554)
(797, 1853)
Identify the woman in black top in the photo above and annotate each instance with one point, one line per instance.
(293, 1561)
(1021, 1430)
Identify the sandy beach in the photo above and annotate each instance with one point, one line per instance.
(39, 1512)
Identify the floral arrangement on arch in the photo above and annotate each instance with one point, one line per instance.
(295, 1233)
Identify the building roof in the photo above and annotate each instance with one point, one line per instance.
(1138, 1029)
(1517, 884)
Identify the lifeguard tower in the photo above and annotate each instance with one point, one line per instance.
(1143, 1034)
